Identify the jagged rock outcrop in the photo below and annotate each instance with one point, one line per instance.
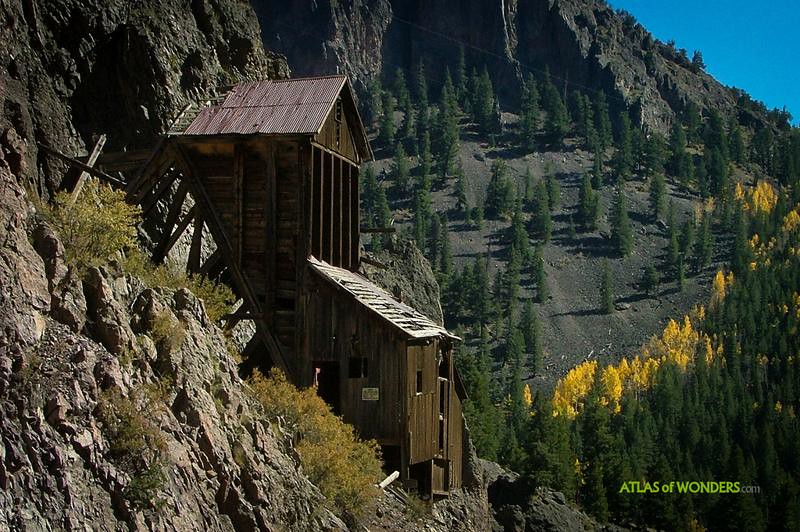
(408, 276)
(584, 43)
(226, 467)
(70, 71)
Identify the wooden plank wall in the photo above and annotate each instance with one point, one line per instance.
(333, 213)
(423, 413)
(344, 143)
(338, 328)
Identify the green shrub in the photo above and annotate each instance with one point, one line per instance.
(168, 333)
(217, 297)
(343, 467)
(94, 228)
(136, 444)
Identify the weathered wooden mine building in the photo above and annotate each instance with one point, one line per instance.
(273, 169)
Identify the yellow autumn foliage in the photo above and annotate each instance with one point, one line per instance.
(720, 288)
(792, 220)
(680, 343)
(573, 388)
(763, 197)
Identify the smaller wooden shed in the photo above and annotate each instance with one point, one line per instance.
(388, 370)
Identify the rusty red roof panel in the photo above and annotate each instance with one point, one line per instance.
(271, 107)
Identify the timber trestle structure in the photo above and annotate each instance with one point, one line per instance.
(261, 184)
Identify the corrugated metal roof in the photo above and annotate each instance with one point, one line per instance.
(286, 106)
(405, 318)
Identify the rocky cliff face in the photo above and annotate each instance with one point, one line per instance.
(68, 345)
(584, 43)
(70, 71)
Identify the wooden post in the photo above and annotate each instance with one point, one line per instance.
(98, 147)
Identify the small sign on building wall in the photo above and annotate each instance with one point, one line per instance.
(369, 394)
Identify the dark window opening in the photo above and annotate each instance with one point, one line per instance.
(358, 368)
(284, 303)
(442, 395)
(419, 381)
(441, 435)
(326, 380)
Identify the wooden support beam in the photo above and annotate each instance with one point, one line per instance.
(164, 247)
(241, 283)
(81, 166)
(153, 173)
(238, 180)
(193, 264)
(98, 147)
(211, 263)
(164, 185)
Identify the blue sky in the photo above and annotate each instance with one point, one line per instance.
(751, 44)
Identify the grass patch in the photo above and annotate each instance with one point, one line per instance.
(344, 467)
(136, 444)
(167, 332)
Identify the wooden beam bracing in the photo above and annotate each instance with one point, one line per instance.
(98, 148)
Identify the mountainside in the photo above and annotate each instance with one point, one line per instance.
(71, 71)
(585, 44)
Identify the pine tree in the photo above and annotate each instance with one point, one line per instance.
(650, 280)
(400, 170)
(422, 214)
(693, 123)
(554, 192)
(462, 184)
(687, 237)
(540, 276)
(448, 128)
(387, 127)
(400, 89)
(425, 159)
(478, 216)
(531, 330)
(382, 218)
(461, 76)
(738, 149)
(655, 153)
(622, 162)
(542, 222)
(434, 242)
(621, 232)
(375, 101)
(499, 192)
(602, 121)
(658, 196)
(606, 289)
(557, 122)
(573, 234)
(483, 102)
(529, 185)
(588, 204)
(529, 120)
(705, 243)
(597, 168)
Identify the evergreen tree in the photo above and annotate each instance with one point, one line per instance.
(387, 127)
(621, 231)
(530, 189)
(651, 280)
(375, 101)
(448, 129)
(532, 333)
(654, 155)
(602, 120)
(554, 192)
(588, 204)
(433, 249)
(597, 168)
(687, 237)
(738, 149)
(693, 123)
(462, 184)
(540, 276)
(425, 160)
(657, 196)
(705, 243)
(382, 218)
(557, 122)
(483, 102)
(606, 289)
(499, 192)
(461, 76)
(422, 214)
(542, 222)
(400, 170)
(400, 89)
(573, 234)
(529, 119)
(622, 162)
(478, 216)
